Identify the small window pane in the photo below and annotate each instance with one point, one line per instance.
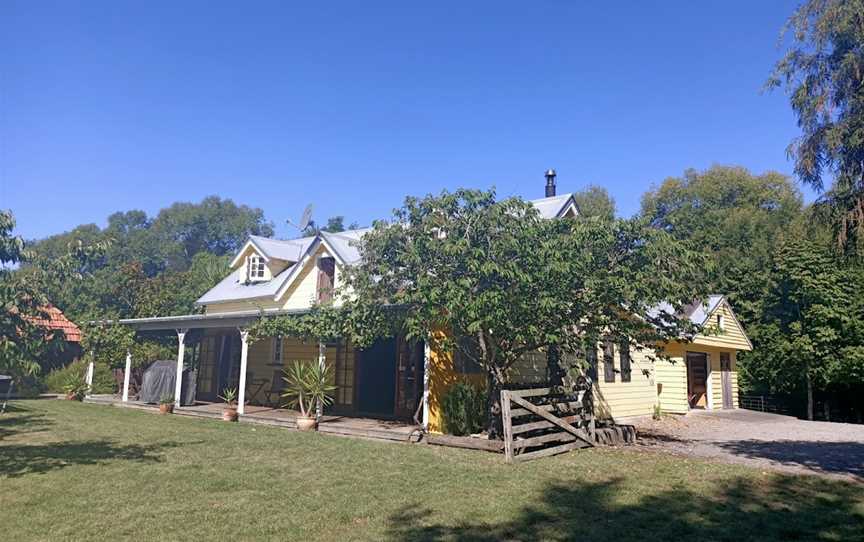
(624, 355)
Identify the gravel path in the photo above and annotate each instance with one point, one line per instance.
(762, 440)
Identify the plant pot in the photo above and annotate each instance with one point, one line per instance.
(166, 408)
(229, 414)
(71, 396)
(306, 423)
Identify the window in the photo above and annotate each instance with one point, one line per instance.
(608, 361)
(255, 268)
(624, 358)
(277, 350)
(721, 323)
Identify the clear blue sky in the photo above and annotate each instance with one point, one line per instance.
(108, 106)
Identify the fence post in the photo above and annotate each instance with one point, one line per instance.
(507, 422)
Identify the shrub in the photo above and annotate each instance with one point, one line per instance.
(103, 380)
(464, 409)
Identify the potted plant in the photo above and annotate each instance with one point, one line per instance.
(166, 404)
(307, 384)
(229, 395)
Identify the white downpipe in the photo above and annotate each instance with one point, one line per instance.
(322, 362)
(126, 376)
(88, 379)
(178, 380)
(709, 389)
(244, 357)
(427, 353)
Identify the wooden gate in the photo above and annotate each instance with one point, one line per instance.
(548, 421)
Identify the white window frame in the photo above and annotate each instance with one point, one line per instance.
(721, 322)
(255, 268)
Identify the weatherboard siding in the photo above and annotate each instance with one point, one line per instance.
(731, 336)
(626, 399)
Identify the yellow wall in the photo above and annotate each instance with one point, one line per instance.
(622, 399)
(731, 336)
(672, 376)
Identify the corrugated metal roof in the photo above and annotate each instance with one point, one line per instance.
(552, 207)
(697, 312)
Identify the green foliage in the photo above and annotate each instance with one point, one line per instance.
(823, 73)
(505, 281)
(464, 409)
(166, 399)
(307, 383)
(229, 395)
(73, 376)
(595, 201)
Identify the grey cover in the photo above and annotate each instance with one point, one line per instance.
(159, 380)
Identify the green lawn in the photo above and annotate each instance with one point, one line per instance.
(70, 470)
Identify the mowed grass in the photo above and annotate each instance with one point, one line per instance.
(77, 471)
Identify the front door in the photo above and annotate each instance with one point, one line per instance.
(726, 379)
(697, 379)
(376, 378)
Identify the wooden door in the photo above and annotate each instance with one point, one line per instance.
(376, 378)
(697, 379)
(726, 379)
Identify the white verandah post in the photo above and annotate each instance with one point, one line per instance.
(322, 362)
(244, 355)
(178, 381)
(88, 379)
(427, 352)
(126, 376)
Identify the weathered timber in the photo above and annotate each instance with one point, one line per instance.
(533, 426)
(578, 433)
(564, 406)
(559, 436)
(545, 452)
(472, 443)
(508, 425)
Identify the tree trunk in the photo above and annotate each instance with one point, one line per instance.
(495, 383)
(809, 397)
(554, 372)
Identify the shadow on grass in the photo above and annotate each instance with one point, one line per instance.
(21, 460)
(27, 423)
(775, 508)
(833, 457)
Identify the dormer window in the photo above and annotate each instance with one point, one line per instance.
(255, 268)
(721, 322)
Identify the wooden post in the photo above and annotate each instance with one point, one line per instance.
(709, 389)
(126, 376)
(244, 357)
(178, 380)
(322, 362)
(427, 354)
(507, 422)
(89, 378)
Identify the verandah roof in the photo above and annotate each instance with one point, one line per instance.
(202, 321)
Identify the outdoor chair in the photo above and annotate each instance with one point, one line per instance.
(277, 386)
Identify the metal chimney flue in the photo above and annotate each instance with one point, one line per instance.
(550, 183)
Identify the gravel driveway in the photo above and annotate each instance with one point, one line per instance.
(761, 440)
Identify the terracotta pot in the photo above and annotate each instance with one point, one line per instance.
(229, 414)
(166, 408)
(305, 423)
(71, 397)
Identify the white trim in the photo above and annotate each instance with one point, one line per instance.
(244, 360)
(427, 354)
(322, 362)
(257, 261)
(250, 242)
(88, 379)
(297, 269)
(570, 204)
(178, 380)
(126, 376)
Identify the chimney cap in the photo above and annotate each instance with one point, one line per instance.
(550, 173)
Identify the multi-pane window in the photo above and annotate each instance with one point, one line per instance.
(721, 323)
(277, 350)
(255, 268)
(591, 358)
(608, 361)
(624, 358)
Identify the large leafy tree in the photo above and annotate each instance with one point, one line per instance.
(810, 333)
(823, 73)
(23, 299)
(735, 218)
(595, 201)
(492, 280)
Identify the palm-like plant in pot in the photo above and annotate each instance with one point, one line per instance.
(229, 395)
(307, 384)
(166, 404)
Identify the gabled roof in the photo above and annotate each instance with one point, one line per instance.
(289, 250)
(696, 312)
(555, 206)
(57, 320)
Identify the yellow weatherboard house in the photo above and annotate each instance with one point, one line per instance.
(399, 380)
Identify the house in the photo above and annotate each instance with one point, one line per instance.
(53, 320)
(395, 379)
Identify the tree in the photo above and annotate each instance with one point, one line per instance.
(735, 218)
(493, 281)
(595, 201)
(335, 224)
(23, 301)
(823, 73)
(810, 328)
